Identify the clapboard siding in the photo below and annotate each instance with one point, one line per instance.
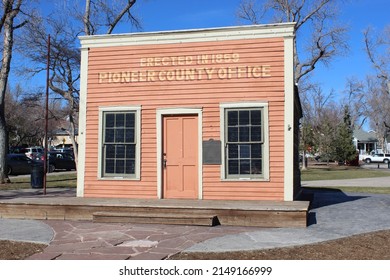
(200, 92)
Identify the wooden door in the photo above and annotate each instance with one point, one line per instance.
(180, 156)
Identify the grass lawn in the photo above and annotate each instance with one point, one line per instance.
(55, 180)
(339, 173)
(376, 190)
(345, 172)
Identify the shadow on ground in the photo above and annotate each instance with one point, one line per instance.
(322, 197)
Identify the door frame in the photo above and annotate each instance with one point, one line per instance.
(159, 125)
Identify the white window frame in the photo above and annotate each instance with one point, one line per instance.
(265, 164)
(137, 111)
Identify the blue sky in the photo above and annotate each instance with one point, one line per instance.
(357, 14)
(158, 15)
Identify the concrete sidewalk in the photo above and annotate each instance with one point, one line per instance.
(334, 214)
(26, 230)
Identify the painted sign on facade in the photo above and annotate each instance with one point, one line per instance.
(187, 68)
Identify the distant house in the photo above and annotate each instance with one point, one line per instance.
(365, 142)
(60, 139)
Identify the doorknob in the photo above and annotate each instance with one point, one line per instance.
(164, 160)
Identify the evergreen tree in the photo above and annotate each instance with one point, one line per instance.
(344, 149)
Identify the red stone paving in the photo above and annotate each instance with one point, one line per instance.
(75, 240)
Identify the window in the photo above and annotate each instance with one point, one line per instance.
(120, 144)
(244, 135)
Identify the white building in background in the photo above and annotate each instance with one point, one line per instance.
(365, 142)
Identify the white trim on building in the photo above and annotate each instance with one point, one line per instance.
(188, 36)
(289, 119)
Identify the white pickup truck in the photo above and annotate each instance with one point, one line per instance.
(378, 158)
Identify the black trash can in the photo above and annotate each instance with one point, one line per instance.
(37, 175)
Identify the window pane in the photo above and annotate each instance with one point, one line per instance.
(130, 151)
(245, 167)
(244, 117)
(256, 133)
(129, 135)
(256, 167)
(244, 134)
(233, 151)
(233, 167)
(120, 167)
(256, 151)
(130, 167)
(120, 135)
(110, 163)
(130, 120)
(245, 151)
(110, 151)
(120, 120)
(120, 151)
(110, 136)
(110, 120)
(256, 117)
(232, 118)
(232, 134)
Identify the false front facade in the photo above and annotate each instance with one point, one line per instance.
(207, 114)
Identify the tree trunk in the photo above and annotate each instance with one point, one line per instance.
(304, 166)
(4, 72)
(72, 133)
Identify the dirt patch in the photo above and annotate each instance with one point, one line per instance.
(371, 246)
(14, 250)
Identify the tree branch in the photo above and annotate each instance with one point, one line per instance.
(370, 46)
(312, 13)
(86, 18)
(125, 10)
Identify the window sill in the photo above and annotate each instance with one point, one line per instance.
(245, 180)
(118, 178)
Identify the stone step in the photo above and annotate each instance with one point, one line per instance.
(156, 218)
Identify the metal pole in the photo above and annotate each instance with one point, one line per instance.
(46, 116)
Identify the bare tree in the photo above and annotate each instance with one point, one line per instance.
(324, 38)
(319, 37)
(355, 99)
(103, 16)
(10, 10)
(378, 109)
(24, 118)
(377, 47)
(100, 16)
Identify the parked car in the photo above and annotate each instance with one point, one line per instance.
(32, 151)
(63, 150)
(378, 158)
(57, 160)
(18, 164)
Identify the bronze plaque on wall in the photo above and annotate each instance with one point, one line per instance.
(212, 152)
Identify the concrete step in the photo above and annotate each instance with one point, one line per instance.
(156, 218)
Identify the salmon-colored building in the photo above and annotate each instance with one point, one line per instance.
(208, 114)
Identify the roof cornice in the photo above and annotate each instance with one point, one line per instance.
(190, 35)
